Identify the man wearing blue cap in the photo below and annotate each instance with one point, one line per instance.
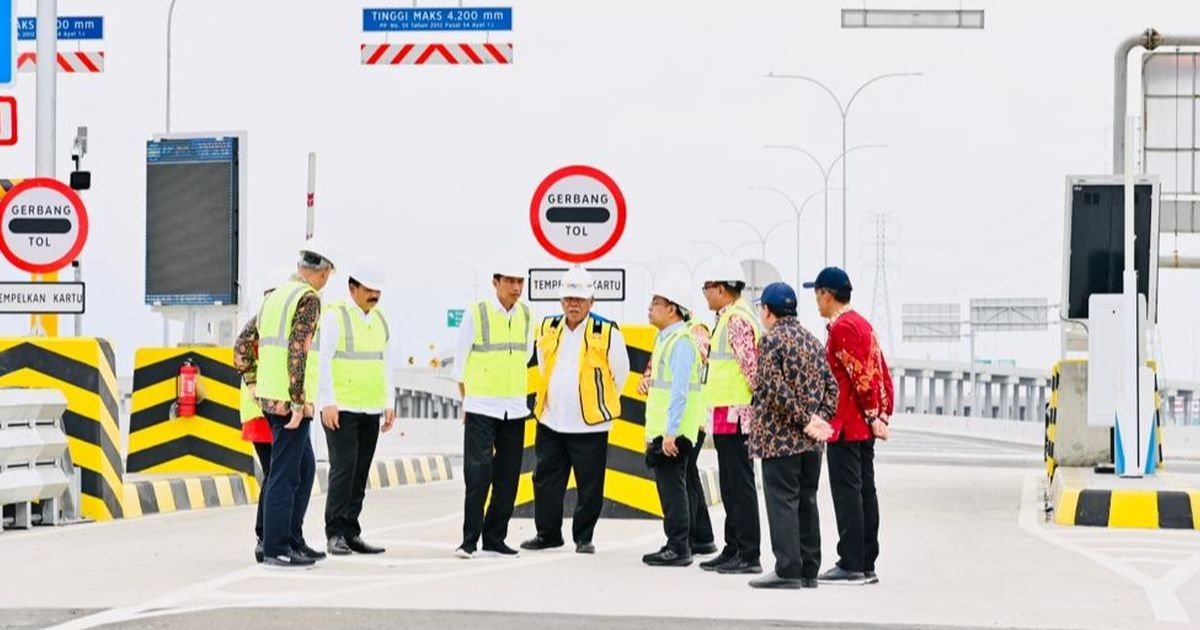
(865, 404)
(795, 396)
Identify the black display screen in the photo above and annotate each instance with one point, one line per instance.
(1097, 257)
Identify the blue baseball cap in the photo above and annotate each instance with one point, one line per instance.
(831, 278)
(779, 296)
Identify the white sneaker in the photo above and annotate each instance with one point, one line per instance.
(464, 553)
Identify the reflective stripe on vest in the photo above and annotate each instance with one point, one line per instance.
(725, 385)
(358, 361)
(599, 396)
(659, 400)
(275, 319)
(497, 366)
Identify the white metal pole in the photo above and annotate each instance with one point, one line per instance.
(312, 192)
(47, 76)
(170, 19)
(1129, 433)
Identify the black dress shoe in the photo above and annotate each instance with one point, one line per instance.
(358, 545)
(772, 580)
(537, 543)
(667, 558)
(310, 553)
(838, 575)
(339, 547)
(704, 549)
(292, 560)
(258, 552)
(501, 549)
(712, 563)
(585, 547)
(871, 577)
(739, 566)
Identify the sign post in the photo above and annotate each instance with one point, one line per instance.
(43, 227)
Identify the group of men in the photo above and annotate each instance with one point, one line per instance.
(297, 356)
(760, 383)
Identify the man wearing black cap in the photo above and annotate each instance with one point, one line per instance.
(795, 395)
(865, 404)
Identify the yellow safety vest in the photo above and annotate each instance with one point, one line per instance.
(358, 362)
(248, 407)
(725, 385)
(599, 396)
(498, 364)
(659, 399)
(274, 326)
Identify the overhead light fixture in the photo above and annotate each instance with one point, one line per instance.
(912, 18)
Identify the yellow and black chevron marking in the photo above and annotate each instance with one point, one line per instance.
(1147, 509)
(629, 490)
(209, 442)
(7, 184)
(396, 472)
(1052, 418)
(162, 496)
(83, 369)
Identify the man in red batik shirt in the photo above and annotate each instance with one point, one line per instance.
(865, 405)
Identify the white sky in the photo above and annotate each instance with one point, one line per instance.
(432, 168)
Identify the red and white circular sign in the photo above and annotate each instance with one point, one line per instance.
(43, 225)
(577, 214)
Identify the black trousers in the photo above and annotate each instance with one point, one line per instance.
(670, 476)
(351, 453)
(855, 503)
(557, 454)
(263, 449)
(739, 494)
(293, 468)
(491, 463)
(790, 488)
(701, 525)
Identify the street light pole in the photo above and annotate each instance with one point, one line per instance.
(826, 172)
(799, 212)
(844, 110)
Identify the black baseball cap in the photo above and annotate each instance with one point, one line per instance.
(831, 278)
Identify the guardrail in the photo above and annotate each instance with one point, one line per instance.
(35, 462)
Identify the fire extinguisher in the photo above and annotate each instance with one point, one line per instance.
(187, 388)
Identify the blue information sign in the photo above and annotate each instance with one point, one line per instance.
(78, 27)
(438, 19)
(8, 48)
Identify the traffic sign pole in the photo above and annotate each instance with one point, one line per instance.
(47, 108)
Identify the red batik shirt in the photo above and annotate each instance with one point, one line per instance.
(864, 382)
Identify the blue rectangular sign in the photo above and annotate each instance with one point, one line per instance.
(78, 27)
(8, 47)
(438, 19)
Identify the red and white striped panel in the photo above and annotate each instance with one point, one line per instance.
(430, 54)
(76, 62)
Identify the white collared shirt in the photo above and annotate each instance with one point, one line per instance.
(500, 407)
(330, 336)
(564, 412)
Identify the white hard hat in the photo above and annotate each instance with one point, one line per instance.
(675, 286)
(369, 273)
(577, 283)
(510, 267)
(319, 248)
(722, 269)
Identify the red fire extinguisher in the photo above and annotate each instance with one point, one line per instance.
(188, 374)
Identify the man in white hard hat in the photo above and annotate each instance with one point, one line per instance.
(491, 366)
(584, 364)
(732, 372)
(674, 413)
(357, 401)
(283, 378)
